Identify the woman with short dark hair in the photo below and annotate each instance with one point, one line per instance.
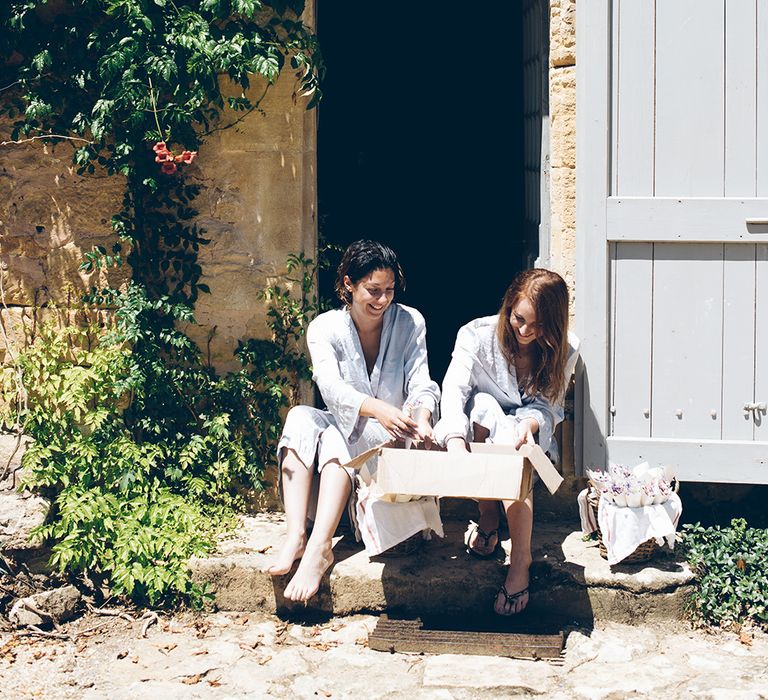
(369, 361)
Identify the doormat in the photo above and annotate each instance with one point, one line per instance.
(401, 635)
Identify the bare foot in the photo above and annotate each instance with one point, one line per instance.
(292, 549)
(513, 595)
(306, 581)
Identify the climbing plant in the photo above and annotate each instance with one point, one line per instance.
(138, 442)
(135, 86)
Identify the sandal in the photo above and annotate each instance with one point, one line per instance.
(509, 599)
(486, 536)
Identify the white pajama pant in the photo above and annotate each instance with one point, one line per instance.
(316, 439)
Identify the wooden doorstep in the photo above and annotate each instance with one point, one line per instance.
(410, 636)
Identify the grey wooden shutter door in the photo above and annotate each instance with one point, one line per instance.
(686, 274)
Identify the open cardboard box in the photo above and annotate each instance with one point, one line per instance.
(495, 472)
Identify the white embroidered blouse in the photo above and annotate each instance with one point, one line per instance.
(399, 377)
(478, 365)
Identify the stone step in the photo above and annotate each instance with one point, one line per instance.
(20, 513)
(569, 578)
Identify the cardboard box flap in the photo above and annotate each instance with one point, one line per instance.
(533, 453)
(363, 457)
(544, 468)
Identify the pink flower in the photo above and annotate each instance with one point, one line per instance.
(187, 156)
(168, 161)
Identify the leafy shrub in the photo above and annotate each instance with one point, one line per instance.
(139, 445)
(132, 498)
(731, 564)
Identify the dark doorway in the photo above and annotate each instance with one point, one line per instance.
(420, 145)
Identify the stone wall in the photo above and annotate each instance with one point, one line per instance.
(257, 205)
(562, 191)
(49, 217)
(562, 115)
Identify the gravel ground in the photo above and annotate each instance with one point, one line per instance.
(227, 655)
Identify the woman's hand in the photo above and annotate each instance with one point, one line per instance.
(456, 444)
(423, 418)
(397, 423)
(526, 429)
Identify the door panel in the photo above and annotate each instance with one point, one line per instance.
(634, 86)
(738, 348)
(740, 99)
(687, 346)
(689, 97)
(632, 295)
(686, 236)
(762, 98)
(761, 343)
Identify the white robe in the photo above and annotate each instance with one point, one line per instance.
(400, 377)
(480, 387)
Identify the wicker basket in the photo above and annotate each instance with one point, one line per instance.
(645, 552)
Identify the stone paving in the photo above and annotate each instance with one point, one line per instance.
(255, 655)
(625, 632)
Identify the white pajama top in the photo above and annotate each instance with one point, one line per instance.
(478, 366)
(400, 376)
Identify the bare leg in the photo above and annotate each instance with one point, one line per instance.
(520, 520)
(488, 521)
(335, 486)
(297, 487)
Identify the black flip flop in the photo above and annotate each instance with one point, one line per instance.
(509, 599)
(486, 537)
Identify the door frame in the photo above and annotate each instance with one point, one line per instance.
(593, 176)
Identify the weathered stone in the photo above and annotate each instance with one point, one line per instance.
(562, 102)
(11, 451)
(17, 327)
(257, 205)
(252, 230)
(49, 217)
(562, 15)
(458, 671)
(24, 280)
(19, 514)
(59, 604)
(563, 223)
(568, 577)
(562, 112)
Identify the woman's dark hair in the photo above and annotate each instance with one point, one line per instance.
(362, 258)
(548, 294)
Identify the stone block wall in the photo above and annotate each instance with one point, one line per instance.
(562, 115)
(257, 205)
(49, 218)
(562, 191)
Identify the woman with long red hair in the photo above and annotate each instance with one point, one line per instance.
(506, 384)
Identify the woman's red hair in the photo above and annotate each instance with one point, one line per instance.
(548, 294)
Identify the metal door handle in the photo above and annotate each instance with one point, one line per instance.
(757, 222)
